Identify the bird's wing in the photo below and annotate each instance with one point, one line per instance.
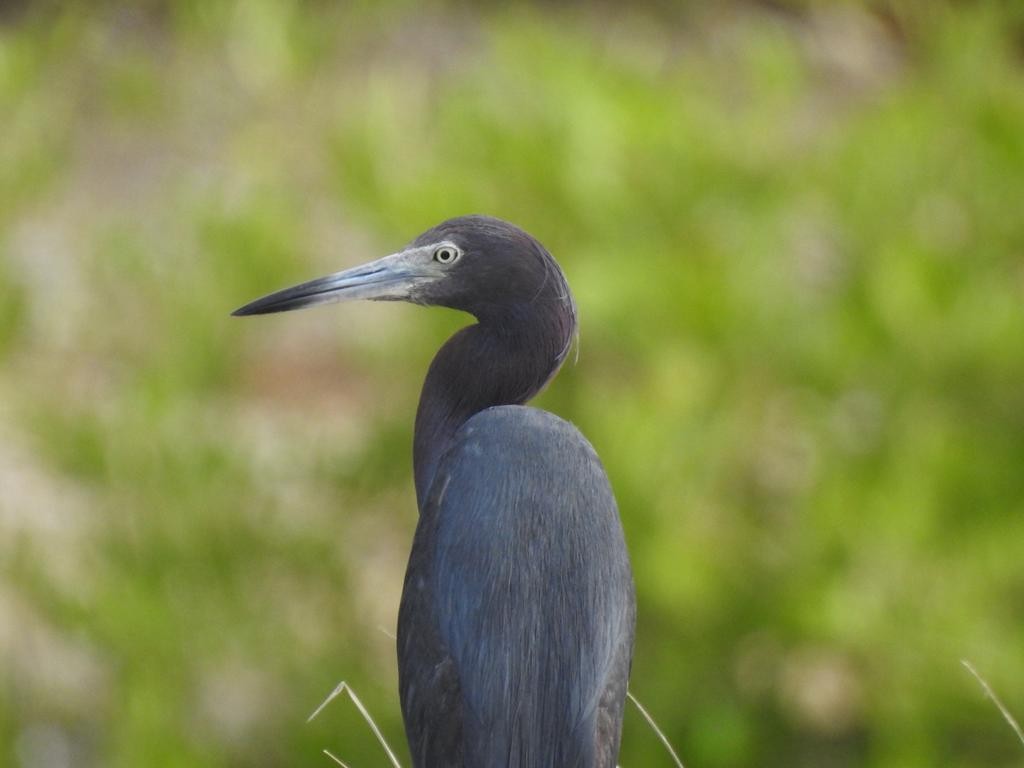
(428, 682)
(520, 561)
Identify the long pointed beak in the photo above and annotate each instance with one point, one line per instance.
(392, 278)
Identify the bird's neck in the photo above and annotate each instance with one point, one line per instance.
(498, 361)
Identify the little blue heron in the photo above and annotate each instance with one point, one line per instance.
(515, 629)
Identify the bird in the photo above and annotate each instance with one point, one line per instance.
(517, 617)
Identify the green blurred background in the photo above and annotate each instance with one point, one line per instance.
(795, 232)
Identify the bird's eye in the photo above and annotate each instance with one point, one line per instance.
(446, 254)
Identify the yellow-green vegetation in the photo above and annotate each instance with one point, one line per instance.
(796, 237)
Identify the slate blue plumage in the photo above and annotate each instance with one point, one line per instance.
(515, 632)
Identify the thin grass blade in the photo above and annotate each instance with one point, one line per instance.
(995, 700)
(344, 687)
(656, 729)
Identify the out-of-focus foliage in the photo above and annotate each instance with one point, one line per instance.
(797, 244)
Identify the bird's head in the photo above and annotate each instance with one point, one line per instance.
(478, 264)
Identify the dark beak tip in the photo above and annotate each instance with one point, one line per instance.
(267, 306)
(259, 307)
